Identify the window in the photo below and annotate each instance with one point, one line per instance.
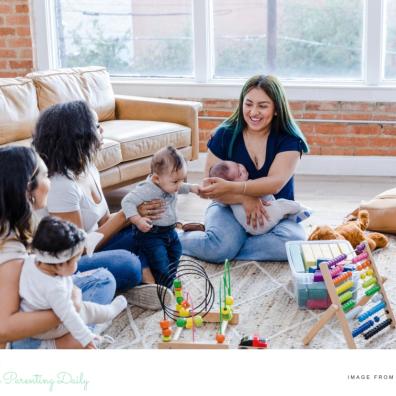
(390, 45)
(132, 37)
(291, 38)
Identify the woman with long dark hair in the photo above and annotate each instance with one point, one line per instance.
(261, 135)
(68, 137)
(24, 188)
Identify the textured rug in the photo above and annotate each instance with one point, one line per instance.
(263, 294)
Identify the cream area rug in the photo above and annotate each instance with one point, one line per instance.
(264, 299)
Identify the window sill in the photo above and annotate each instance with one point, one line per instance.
(230, 89)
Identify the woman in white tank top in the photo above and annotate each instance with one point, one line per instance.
(68, 136)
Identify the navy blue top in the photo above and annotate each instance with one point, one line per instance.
(277, 142)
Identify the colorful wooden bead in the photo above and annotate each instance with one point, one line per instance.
(166, 339)
(229, 300)
(178, 293)
(178, 307)
(189, 323)
(164, 324)
(177, 283)
(185, 304)
(184, 312)
(167, 332)
(177, 289)
(181, 322)
(370, 272)
(198, 320)
(220, 338)
(225, 310)
(179, 300)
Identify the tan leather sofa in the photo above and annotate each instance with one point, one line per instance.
(134, 127)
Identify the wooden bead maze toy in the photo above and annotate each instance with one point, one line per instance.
(344, 287)
(190, 316)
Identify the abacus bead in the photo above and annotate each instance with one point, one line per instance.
(164, 324)
(220, 338)
(229, 300)
(189, 323)
(376, 319)
(362, 275)
(179, 300)
(167, 332)
(181, 322)
(369, 271)
(178, 293)
(198, 320)
(177, 283)
(166, 339)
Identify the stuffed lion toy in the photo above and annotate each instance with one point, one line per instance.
(352, 231)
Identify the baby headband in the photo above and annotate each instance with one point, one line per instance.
(89, 243)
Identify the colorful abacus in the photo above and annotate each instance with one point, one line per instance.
(186, 314)
(342, 290)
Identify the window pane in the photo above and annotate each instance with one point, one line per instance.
(390, 48)
(291, 38)
(129, 37)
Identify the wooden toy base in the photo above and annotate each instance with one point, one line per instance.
(210, 317)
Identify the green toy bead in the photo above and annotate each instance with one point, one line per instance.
(198, 320)
(177, 283)
(181, 322)
(372, 290)
(179, 300)
(229, 300)
(166, 339)
(178, 293)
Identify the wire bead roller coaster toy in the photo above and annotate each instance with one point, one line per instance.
(187, 315)
(342, 288)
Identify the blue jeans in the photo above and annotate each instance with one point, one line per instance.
(98, 287)
(224, 238)
(117, 256)
(162, 250)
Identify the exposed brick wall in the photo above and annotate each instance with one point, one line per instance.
(16, 55)
(332, 128)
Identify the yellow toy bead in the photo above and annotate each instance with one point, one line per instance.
(178, 293)
(369, 272)
(178, 307)
(362, 276)
(225, 310)
(189, 323)
(198, 320)
(183, 312)
(166, 339)
(229, 300)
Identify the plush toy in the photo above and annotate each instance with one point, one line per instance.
(352, 231)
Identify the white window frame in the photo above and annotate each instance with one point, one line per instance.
(372, 88)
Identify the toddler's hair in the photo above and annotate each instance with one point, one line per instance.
(168, 159)
(221, 170)
(54, 236)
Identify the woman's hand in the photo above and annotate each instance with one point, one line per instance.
(214, 187)
(76, 298)
(152, 209)
(255, 211)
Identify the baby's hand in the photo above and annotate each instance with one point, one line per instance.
(144, 224)
(91, 345)
(194, 188)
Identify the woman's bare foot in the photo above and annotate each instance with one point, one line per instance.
(147, 276)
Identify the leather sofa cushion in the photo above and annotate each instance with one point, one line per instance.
(139, 139)
(91, 84)
(57, 86)
(18, 109)
(100, 95)
(109, 155)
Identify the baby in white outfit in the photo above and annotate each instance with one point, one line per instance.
(278, 210)
(46, 282)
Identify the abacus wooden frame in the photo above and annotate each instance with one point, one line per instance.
(336, 307)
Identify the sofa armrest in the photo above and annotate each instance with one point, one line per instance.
(167, 110)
